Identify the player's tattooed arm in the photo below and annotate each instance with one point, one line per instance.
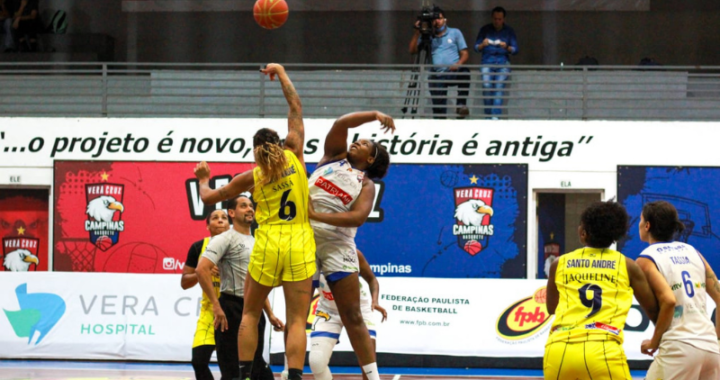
(295, 139)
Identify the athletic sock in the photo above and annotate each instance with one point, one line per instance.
(295, 374)
(245, 369)
(371, 371)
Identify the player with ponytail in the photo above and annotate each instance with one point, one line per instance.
(284, 251)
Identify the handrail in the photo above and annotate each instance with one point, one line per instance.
(146, 89)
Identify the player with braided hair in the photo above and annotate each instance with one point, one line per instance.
(284, 252)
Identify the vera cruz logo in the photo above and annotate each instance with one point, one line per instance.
(473, 210)
(104, 211)
(19, 253)
(39, 312)
(524, 318)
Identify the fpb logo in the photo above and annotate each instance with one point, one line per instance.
(19, 253)
(473, 211)
(524, 318)
(104, 211)
(39, 312)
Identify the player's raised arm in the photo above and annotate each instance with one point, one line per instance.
(239, 184)
(336, 140)
(295, 140)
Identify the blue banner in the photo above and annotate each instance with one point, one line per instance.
(453, 221)
(693, 192)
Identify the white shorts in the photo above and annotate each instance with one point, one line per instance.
(336, 254)
(329, 325)
(681, 361)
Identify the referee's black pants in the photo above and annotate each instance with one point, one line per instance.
(226, 342)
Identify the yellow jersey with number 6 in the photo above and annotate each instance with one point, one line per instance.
(595, 296)
(284, 241)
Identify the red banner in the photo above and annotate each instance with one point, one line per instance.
(24, 229)
(130, 217)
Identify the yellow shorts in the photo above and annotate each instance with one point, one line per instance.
(205, 331)
(585, 361)
(283, 252)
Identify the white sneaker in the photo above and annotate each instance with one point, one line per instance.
(284, 375)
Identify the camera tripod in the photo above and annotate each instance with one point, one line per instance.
(414, 91)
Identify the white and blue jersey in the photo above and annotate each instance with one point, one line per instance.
(684, 271)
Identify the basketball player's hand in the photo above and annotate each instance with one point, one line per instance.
(221, 322)
(272, 69)
(276, 323)
(215, 271)
(202, 171)
(648, 348)
(311, 209)
(381, 310)
(387, 122)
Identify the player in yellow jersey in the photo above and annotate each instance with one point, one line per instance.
(204, 340)
(284, 252)
(590, 292)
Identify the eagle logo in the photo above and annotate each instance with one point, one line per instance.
(473, 213)
(104, 211)
(19, 253)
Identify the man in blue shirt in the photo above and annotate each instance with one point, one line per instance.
(496, 42)
(449, 52)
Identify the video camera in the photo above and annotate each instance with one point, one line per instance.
(426, 18)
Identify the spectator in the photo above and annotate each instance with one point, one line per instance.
(496, 41)
(23, 24)
(6, 22)
(449, 49)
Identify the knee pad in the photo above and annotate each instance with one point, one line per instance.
(320, 353)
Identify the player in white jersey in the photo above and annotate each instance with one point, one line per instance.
(328, 324)
(342, 192)
(684, 337)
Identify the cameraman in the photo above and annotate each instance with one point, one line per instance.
(448, 48)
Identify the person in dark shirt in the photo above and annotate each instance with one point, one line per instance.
(204, 341)
(22, 23)
(496, 41)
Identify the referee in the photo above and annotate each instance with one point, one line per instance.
(230, 251)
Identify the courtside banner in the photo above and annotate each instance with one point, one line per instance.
(130, 217)
(470, 317)
(544, 145)
(96, 316)
(120, 316)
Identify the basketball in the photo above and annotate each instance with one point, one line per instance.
(541, 295)
(103, 242)
(473, 247)
(270, 14)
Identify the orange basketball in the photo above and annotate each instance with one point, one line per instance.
(270, 14)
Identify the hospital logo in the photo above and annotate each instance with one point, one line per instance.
(39, 312)
(473, 213)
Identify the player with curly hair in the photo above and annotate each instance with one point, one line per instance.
(590, 292)
(342, 192)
